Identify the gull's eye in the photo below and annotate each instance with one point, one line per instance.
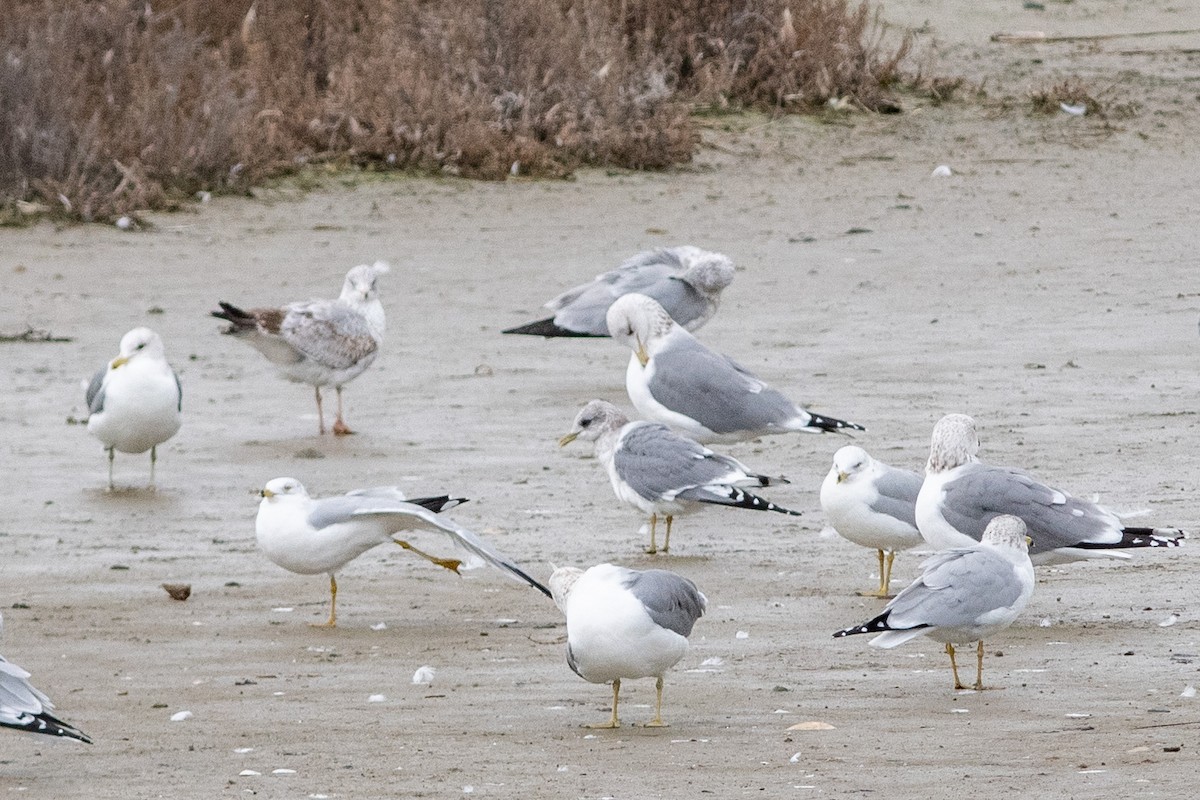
(140, 346)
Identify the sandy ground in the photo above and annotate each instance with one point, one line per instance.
(1048, 288)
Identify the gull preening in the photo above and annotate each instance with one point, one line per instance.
(659, 472)
(674, 379)
(318, 342)
(872, 504)
(135, 403)
(624, 624)
(962, 595)
(686, 280)
(24, 708)
(312, 536)
(961, 495)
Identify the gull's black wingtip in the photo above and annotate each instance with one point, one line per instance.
(523, 575)
(547, 328)
(832, 424)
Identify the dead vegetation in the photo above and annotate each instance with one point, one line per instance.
(109, 108)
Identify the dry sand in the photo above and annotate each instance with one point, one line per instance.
(1048, 288)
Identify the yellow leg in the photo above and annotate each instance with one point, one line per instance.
(667, 541)
(451, 564)
(979, 667)
(614, 722)
(153, 458)
(883, 581)
(887, 580)
(653, 523)
(111, 456)
(320, 412)
(332, 621)
(340, 428)
(657, 721)
(954, 666)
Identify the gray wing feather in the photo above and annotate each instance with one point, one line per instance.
(1054, 518)
(716, 391)
(655, 462)
(672, 601)
(17, 696)
(955, 589)
(95, 392)
(898, 490)
(329, 333)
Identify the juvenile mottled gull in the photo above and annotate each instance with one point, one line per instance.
(961, 495)
(674, 379)
(24, 708)
(963, 595)
(135, 403)
(308, 536)
(624, 624)
(318, 342)
(872, 504)
(686, 280)
(660, 472)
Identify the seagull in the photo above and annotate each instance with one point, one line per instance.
(309, 536)
(963, 595)
(24, 708)
(656, 470)
(961, 495)
(624, 624)
(872, 505)
(686, 280)
(135, 402)
(318, 342)
(674, 379)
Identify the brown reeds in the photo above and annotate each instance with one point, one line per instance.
(108, 108)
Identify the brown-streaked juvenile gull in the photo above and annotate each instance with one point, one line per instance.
(962, 595)
(961, 495)
(312, 536)
(872, 504)
(657, 471)
(624, 624)
(674, 379)
(24, 708)
(318, 342)
(686, 280)
(135, 403)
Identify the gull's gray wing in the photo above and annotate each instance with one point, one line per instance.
(656, 462)
(714, 390)
(672, 601)
(898, 490)
(23, 707)
(1054, 519)
(583, 308)
(956, 588)
(95, 392)
(329, 332)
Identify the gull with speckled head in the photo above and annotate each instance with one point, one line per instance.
(872, 504)
(674, 379)
(318, 342)
(136, 402)
(659, 472)
(624, 624)
(24, 708)
(312, 536)
(961, 494)
(686, 280)
(963, 595)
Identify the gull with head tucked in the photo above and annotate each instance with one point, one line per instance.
(674, 379)
(135, 403)
(318, 342)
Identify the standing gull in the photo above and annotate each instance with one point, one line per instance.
(961, 495)
(24, 708)
(686, 280)
(674, 379)
(135, 403)
(660, 472)
(624, 624)
(318, 342)
(963, 595)
(309, 537)
(872, 504)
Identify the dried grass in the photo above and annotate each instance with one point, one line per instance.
(114, 107)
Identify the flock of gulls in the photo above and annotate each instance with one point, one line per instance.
(986, 526)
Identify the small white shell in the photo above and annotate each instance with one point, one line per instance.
(942, 171)
(423, 675)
